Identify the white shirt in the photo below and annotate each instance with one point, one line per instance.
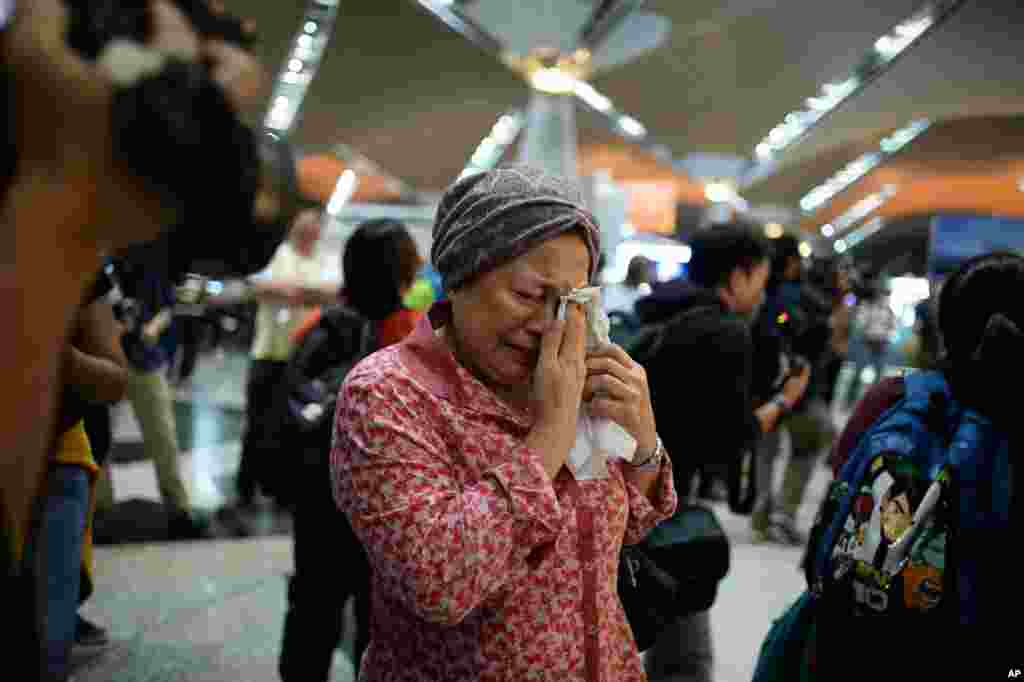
(877, 320)
(274, 321)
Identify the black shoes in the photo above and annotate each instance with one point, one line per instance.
(188, 526)
(90, 635)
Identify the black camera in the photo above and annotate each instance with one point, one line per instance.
(178, 130)
(94, 24)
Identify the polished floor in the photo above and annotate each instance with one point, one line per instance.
(212, 610)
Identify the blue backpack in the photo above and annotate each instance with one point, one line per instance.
(907, 533)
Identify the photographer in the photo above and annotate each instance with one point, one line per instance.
(792, 333)
(74, 182)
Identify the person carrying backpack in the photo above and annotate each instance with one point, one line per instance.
(697, 350)
(380, 264)
(909, 559)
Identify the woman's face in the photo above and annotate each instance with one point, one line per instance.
(500, 317)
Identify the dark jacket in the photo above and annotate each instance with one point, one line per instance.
(793, 321)
(698, 357)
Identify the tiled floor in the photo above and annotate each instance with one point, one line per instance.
(212, 610)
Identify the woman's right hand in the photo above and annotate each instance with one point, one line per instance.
(558, 388)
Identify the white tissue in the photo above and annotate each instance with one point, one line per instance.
(597, 439)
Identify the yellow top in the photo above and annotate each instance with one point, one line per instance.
(73, 448)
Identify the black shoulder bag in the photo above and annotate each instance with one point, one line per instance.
(674, 572)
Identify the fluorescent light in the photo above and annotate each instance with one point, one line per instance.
(773, 231)
(305, 41)
(719, 192)
(586, 92)
(892, 44)
(491, 148)
(295, 65)
(632, 127)
(839, 246)
(860, 210)
(505, 130)
(310, 27)
(806, 250)
(909, 290)
(343, 191)
(553, 81)
(861, 166)
(278, 120)
(862, 233)
(832, 94)
(827, 230)
(661, 252)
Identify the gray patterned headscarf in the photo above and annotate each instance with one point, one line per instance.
(490, 218)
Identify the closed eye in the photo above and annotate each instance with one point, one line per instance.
(532, 298)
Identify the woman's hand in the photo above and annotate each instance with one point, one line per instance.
(796, 385)
(616, 389)
(558, 388)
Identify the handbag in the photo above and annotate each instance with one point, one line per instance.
(673, 572)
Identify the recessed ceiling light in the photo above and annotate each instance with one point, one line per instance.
(553, 81)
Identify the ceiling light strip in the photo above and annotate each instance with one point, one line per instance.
(859, 235)
(301, 65)
(858, 168)
(839, 228)
(492, 148)
(447, 12)
(877, 61)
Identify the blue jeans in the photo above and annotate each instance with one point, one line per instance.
(57, 565)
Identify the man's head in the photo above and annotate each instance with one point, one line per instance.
(732, 260)
(787, 263)
(639, 271)
(306, 231)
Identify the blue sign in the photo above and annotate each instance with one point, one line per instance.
(956, 238)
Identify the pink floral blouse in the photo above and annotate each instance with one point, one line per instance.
(483, 569)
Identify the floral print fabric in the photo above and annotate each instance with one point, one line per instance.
(483, 569)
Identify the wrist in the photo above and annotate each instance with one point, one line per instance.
(649, 458)
(784, 403)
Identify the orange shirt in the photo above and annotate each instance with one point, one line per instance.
(397, 326)
(390, 330)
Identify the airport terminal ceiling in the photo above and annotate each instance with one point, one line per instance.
(415, 97)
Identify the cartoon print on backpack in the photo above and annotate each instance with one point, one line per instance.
(892, 545)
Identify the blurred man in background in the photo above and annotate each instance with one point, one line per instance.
(287, 291)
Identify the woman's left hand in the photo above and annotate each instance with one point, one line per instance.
(617, 389)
